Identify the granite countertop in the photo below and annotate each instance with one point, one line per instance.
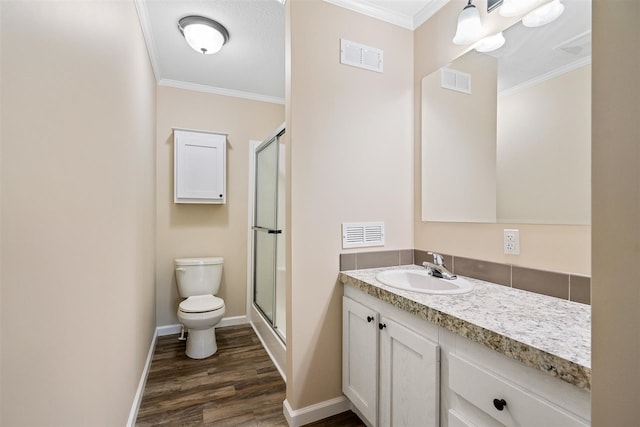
(546, 333)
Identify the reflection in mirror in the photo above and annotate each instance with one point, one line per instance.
(506, 135)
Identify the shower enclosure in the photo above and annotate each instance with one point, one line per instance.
(268, 234)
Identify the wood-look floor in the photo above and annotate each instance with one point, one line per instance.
(237, 386)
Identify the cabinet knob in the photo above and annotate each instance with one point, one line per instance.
(499, 404)
(369, 319)
(382, 325)
(221, 196)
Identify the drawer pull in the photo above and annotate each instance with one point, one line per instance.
(381, 326)
(369, 319)
(499, 404)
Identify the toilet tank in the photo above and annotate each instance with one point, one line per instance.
(198, 276)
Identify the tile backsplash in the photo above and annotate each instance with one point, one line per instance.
(573, 287)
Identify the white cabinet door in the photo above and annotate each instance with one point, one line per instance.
(360, 357)
(409, 377)
(199, 167)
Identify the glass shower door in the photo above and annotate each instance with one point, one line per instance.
(265, 228)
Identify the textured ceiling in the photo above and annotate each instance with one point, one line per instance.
(252, 61)
(251, 64)
(530, 53)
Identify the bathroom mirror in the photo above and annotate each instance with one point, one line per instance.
(506, 135)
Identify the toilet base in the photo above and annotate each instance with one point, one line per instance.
(201, 343)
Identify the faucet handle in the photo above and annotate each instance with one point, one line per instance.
(437, 258)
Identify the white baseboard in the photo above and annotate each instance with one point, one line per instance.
(137, 399)
(232, 321)
(312, 413)
(226, 321)
(168, 330)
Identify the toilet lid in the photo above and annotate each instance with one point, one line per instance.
(201, 304)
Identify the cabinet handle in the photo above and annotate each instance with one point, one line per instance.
(499, 404)
(369, 319)
(381, 326)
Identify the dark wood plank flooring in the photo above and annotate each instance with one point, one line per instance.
(238, 386)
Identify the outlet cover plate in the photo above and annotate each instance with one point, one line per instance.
(511, 241)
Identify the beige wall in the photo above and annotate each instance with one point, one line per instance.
(561, 248)
(544, 151)
(1, 224)
(349, 144)
(459, 144)
(616, 213)
(78, 200)
(191, 230)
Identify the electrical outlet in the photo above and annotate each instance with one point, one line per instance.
(512, 241)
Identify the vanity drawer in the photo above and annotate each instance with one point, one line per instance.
(456, 420)
(524, 409)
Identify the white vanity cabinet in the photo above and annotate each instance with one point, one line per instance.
(390, 371)
(199, 167)
(400, 370)
(484, 388)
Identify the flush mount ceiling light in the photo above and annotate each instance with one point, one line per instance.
(544, 14)
(204, 35)
(469, 25)
(511, 8)
(490, 43)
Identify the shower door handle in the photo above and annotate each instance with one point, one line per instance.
(268, 230)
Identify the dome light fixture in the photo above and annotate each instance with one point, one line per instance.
(469, 27)
(204, 35)
(544, 14)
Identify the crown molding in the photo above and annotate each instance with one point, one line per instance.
(220, 91)
(428, 11)
(392, 17)
(547, 76)
(396, 18)
(145, 24)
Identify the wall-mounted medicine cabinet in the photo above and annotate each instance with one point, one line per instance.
(199, 166)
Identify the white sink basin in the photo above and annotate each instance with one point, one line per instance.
(421, 281)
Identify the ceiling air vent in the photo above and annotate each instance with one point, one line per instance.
(579, 45)
(362, 234)
(455, 80)
(361, 56)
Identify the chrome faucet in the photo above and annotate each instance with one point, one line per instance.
(437, 268)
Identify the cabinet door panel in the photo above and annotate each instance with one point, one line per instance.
(360, 357)
(199, 167)
(409, 377)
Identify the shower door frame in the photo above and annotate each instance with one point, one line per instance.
(271, 231)
(274, 342)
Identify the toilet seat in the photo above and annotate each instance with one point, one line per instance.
(201, 304)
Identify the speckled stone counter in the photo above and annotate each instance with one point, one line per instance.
(545, 333)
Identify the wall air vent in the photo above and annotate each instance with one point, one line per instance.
(362, 234)
(361, 56)
(455, 80)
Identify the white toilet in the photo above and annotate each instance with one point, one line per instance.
(198, 281)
